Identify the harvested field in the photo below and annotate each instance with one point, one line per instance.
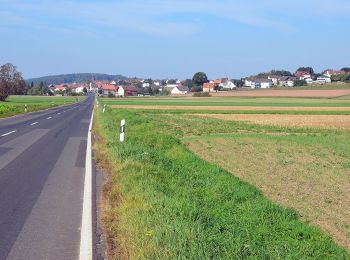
(318, 121)
(327, 93)
(231, 108)
(311, 178)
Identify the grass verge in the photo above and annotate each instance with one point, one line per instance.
(163, 201)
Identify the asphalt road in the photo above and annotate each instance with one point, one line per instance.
(42, 167)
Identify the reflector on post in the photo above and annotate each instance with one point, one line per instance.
(122, 130)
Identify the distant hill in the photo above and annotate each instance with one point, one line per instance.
(75, 77)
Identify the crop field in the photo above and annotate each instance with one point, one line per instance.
(15, 104)
(310, 92)
(314, 121)
(226, 186)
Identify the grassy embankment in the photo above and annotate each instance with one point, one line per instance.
(15, 104)
(163, 201)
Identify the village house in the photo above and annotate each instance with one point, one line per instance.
(227, 84)
(169, 87)
(157, 83)
(309, 80)
(180, 90)
(258, 83)
(329, 72)
(176, 89)
(209, 87)
(108, 89)
(145, 85)
(275, 79)
(60, 87)
(323, 80)
(77, 88)
(125, 91)
(286, 81)
(302, 75)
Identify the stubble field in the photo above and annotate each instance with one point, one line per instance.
(188, 184)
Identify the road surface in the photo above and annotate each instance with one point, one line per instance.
(42, 168)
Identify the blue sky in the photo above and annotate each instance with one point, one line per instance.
(173, 38)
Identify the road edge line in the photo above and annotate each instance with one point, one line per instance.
(86, 252)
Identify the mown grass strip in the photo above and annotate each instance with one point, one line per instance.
(204, 111)
(232, 101)
(162, 201)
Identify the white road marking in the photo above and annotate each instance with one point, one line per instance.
(9, 133)
(34, 123)
(49, 117)
(86, 222)
(58, 113)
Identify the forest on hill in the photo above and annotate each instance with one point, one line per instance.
(75, 77)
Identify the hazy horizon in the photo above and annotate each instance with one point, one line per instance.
(173, 39)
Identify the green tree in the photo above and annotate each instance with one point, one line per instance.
(346, 69)
(188, 83)
(199, 78)
(11, 81)
(306, 69)
(172, 81)
(299, 83)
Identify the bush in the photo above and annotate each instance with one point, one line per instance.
(201, 94)
(300, 83)
(111, 95)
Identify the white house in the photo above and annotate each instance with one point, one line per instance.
(258, 83)
(309, 80)
(286, 81)
(171, 86)
(145, 85)
(79, 89)
(275, 79)
(179, 90)
(227, 85)
(323, 80)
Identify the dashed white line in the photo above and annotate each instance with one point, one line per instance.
(9, 133)
(58, 113)
(34, 123)
(49, 117)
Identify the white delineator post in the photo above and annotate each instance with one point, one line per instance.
(122, 130)
(104, 108)
(25, 108)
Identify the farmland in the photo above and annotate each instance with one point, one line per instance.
(15, 104)
(226, 184)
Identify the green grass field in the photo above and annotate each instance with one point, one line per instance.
(168, 198)
(15, 104)
(233, 101)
